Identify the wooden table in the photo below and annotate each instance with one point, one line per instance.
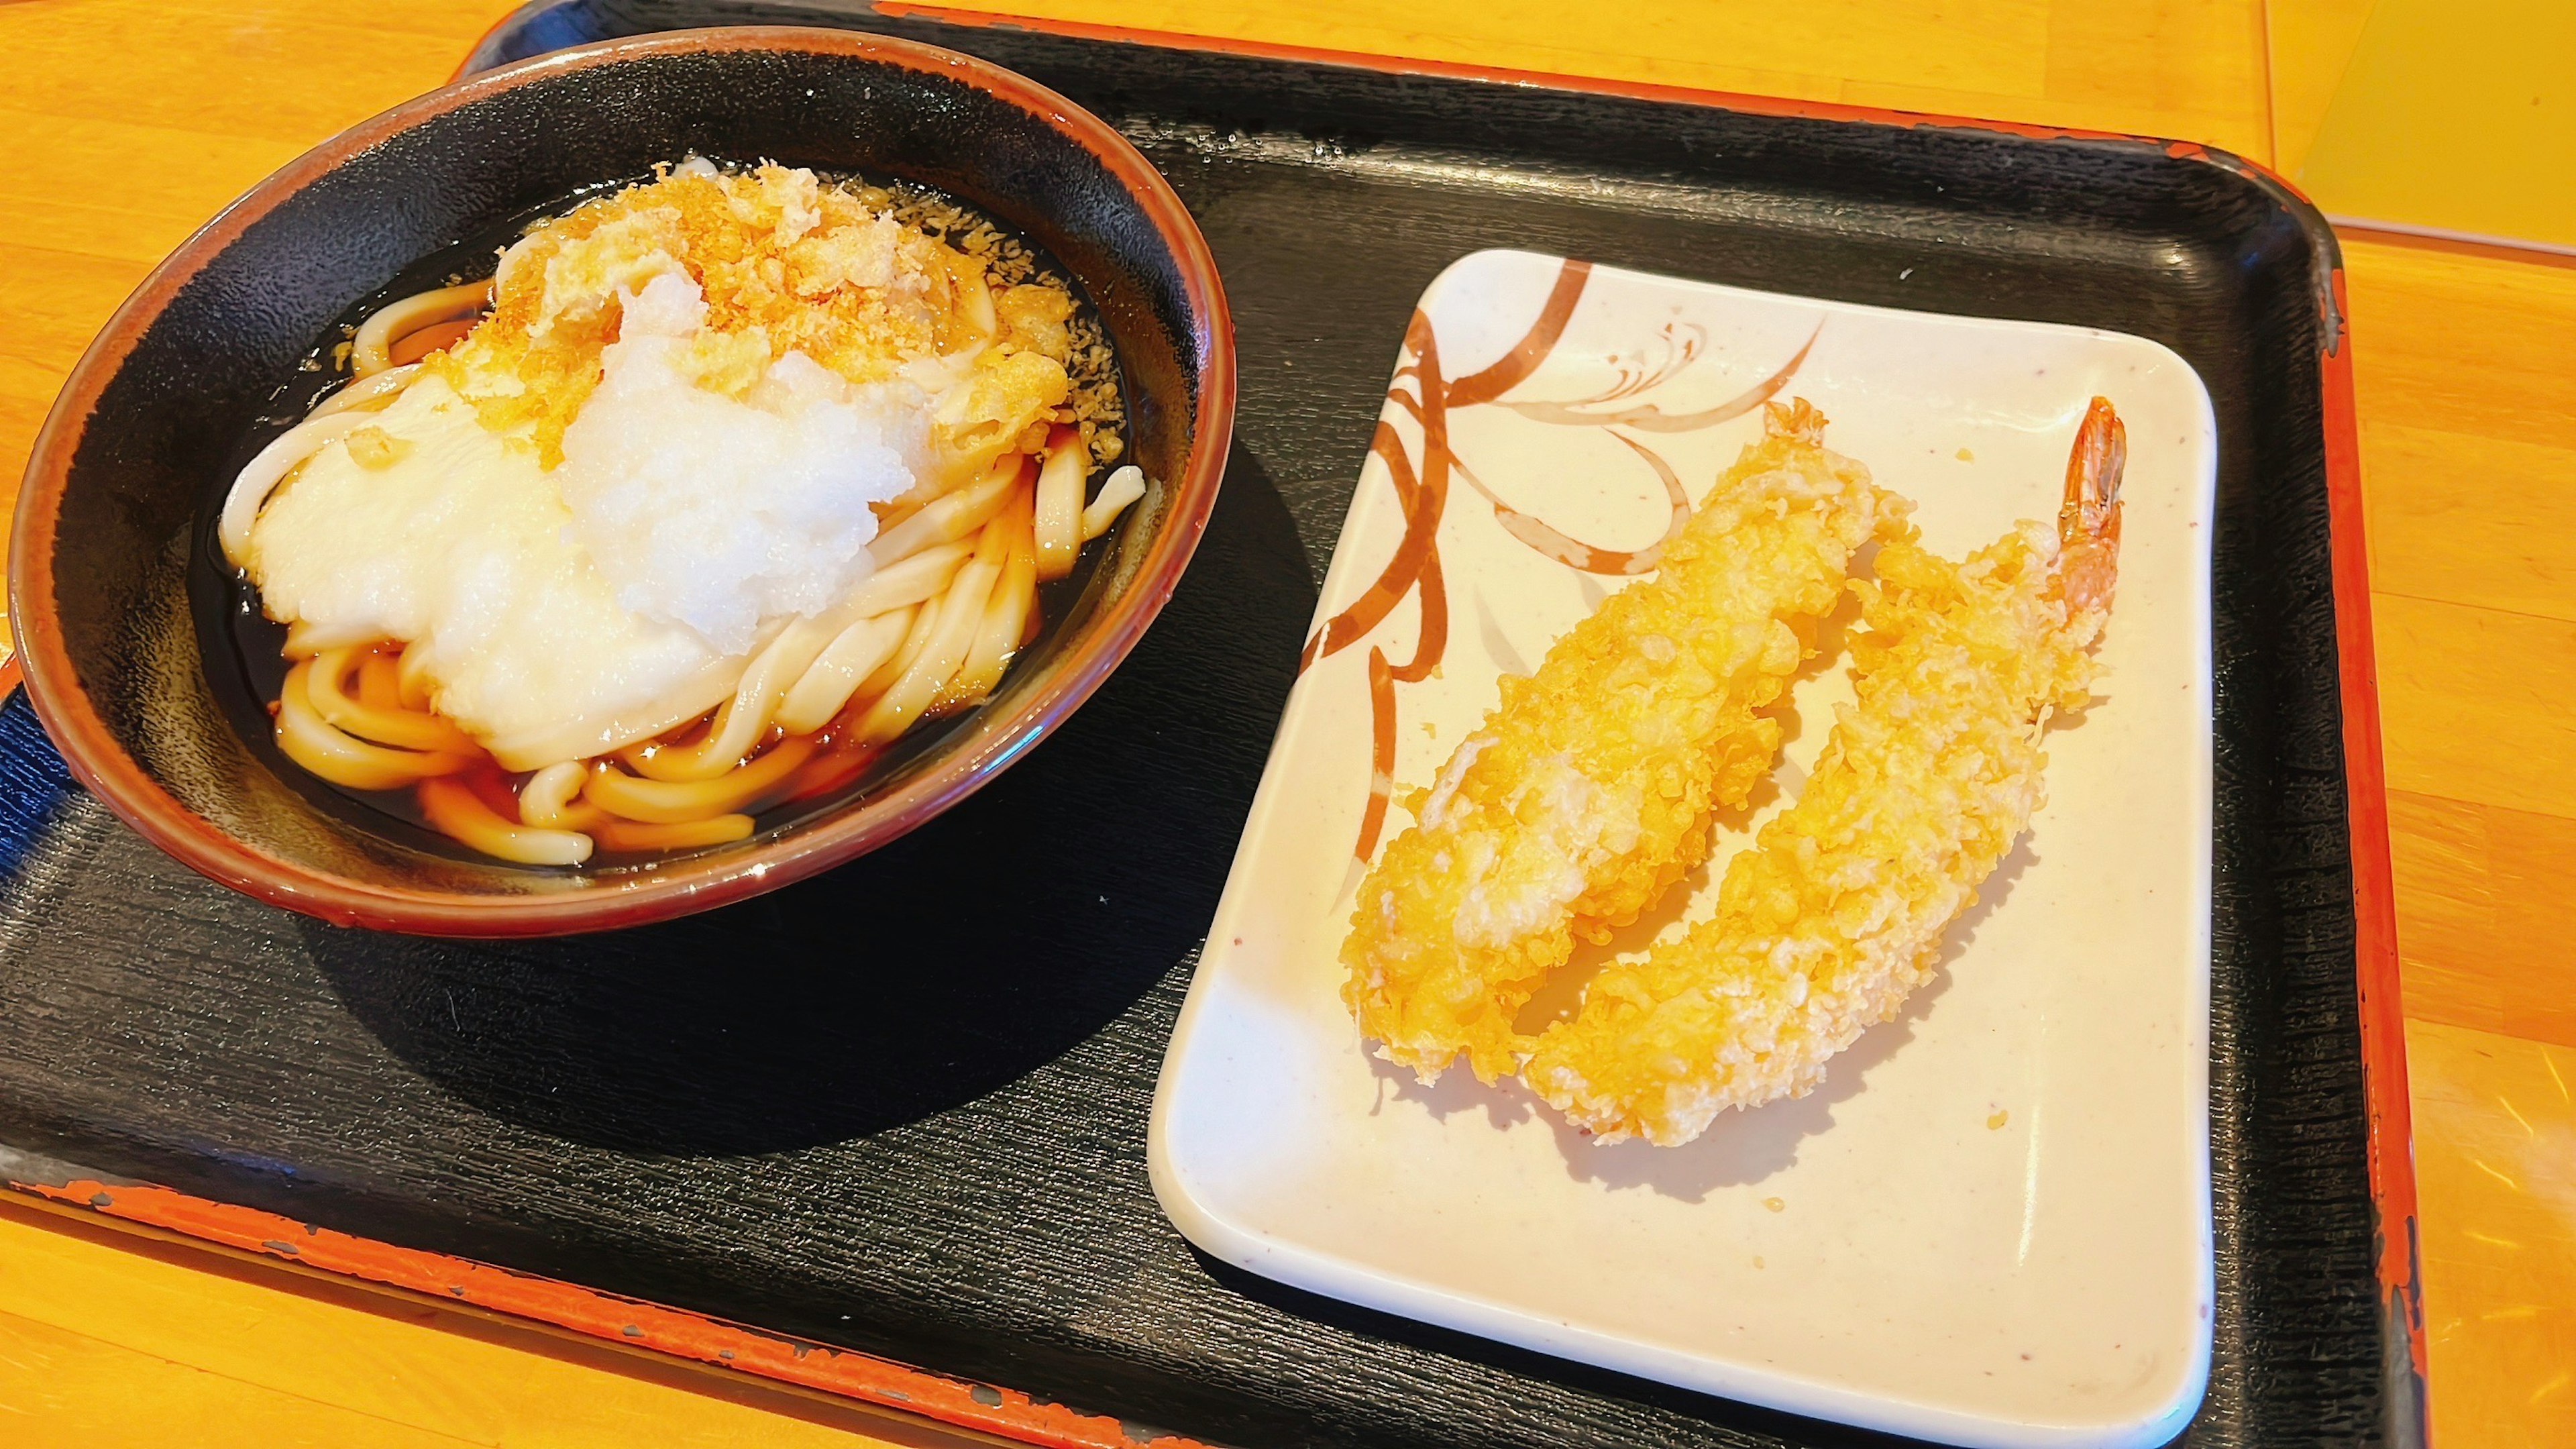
(129, 122)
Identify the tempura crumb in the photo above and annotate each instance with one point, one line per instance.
(1586, 793)
(1837, 913)
(787, 263)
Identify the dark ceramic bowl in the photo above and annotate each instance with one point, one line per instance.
(109, 568)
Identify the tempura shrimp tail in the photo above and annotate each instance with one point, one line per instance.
(1586, 793)
(1836, 913)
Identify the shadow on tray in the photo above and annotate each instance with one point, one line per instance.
(923, 976)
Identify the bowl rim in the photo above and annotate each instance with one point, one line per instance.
(695, 883)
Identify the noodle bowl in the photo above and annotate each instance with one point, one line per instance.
(722, 484)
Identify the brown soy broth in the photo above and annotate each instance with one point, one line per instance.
(244, 648)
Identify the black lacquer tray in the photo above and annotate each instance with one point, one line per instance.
(897, 1114)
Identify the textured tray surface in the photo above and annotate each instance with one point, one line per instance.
(902, 1107)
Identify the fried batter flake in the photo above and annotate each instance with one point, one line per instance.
(1587, 792)
(786, 262)
(1836, 913)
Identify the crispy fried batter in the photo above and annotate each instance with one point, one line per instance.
(1587, 791)
(786, 262)
(1837, 912)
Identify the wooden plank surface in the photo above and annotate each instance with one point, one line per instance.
(122, 1339)
(2495, 1155)
(2467, 398)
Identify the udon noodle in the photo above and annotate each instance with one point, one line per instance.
(659, 423)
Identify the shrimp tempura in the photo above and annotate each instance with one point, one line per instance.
(1586, 792)
(1837, 911)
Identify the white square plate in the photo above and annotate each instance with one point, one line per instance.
(1991, 1225)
